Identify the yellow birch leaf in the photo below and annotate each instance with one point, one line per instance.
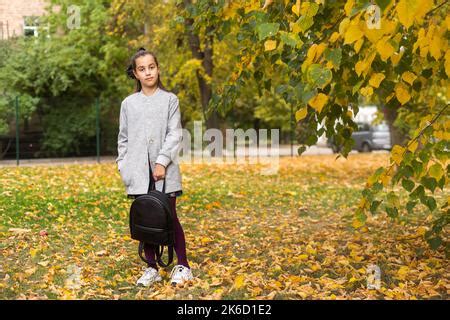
(405, 12)
(435, 46)
(310, 250)
(447, 63)
(270, 45)
(423, 6)
(334, 37)
(301, 114)
(206, 240)
(358, 45)
(385, 49)
(356, 223)
(385, 178)
(366, 91)
(397, 154)
(310, 55)
(348, 7)
(395, 58)
(251, 6)
(343, 26)
(376, 79)
(413, 146)
(239, 281)
(303, 257)
(409, 77)
(360, 67)
(318, 101)
(33, 252)
(295, 27)
(353, 34)
(402, 93)
(442, 135)
(402, 272)
(320, 49)
(296, 8)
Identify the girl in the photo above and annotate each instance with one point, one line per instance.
(148, 143)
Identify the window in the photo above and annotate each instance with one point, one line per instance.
(30, 26)
(363, 126)
(381, 127)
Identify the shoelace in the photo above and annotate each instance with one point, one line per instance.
(177, 268)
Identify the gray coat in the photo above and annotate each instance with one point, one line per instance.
(149, 129)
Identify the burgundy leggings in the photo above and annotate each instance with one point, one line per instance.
(179, 245)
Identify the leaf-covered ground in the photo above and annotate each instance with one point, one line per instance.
(249, 236)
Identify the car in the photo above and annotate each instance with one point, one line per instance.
(368, 137)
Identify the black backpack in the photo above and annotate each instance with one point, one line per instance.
(151, 222)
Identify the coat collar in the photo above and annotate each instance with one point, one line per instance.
(156, 93)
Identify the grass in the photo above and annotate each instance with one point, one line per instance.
(289, 235)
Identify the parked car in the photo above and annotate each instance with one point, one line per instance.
(368, 137)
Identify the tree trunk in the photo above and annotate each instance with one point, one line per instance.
(390, 114)
(212, 119)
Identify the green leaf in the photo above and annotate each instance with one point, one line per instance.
(305, 23)
(410, 206)
(318, 76)
(305, 94)
(291, 39)
(392, 211)
(334, 56)
(374, 206)
(382, 3)
(301, 149)
(408, 184)
(436, 171)
(429, 183)
(393, 199)
(267, 29)
(360, 216)
(418, 192)
(408, 171)
(434, 242)
(311, 140)
(312, 10)
(357, 86)
(417, 166)
(430, 202)
(377, 186)
(424, 155)
(441, 183)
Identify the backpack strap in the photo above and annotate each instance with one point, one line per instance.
(159, 252)
(141, 250)
(152, 184)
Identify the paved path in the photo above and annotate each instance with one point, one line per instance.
(284, 150)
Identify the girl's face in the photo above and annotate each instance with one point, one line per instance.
(147, 72)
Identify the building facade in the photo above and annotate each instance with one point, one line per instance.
(20, 17)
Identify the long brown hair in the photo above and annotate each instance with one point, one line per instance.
(132, 66)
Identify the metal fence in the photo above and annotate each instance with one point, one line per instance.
(24, 143)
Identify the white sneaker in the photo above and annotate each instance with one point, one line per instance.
(180, 274)
(150, 276)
